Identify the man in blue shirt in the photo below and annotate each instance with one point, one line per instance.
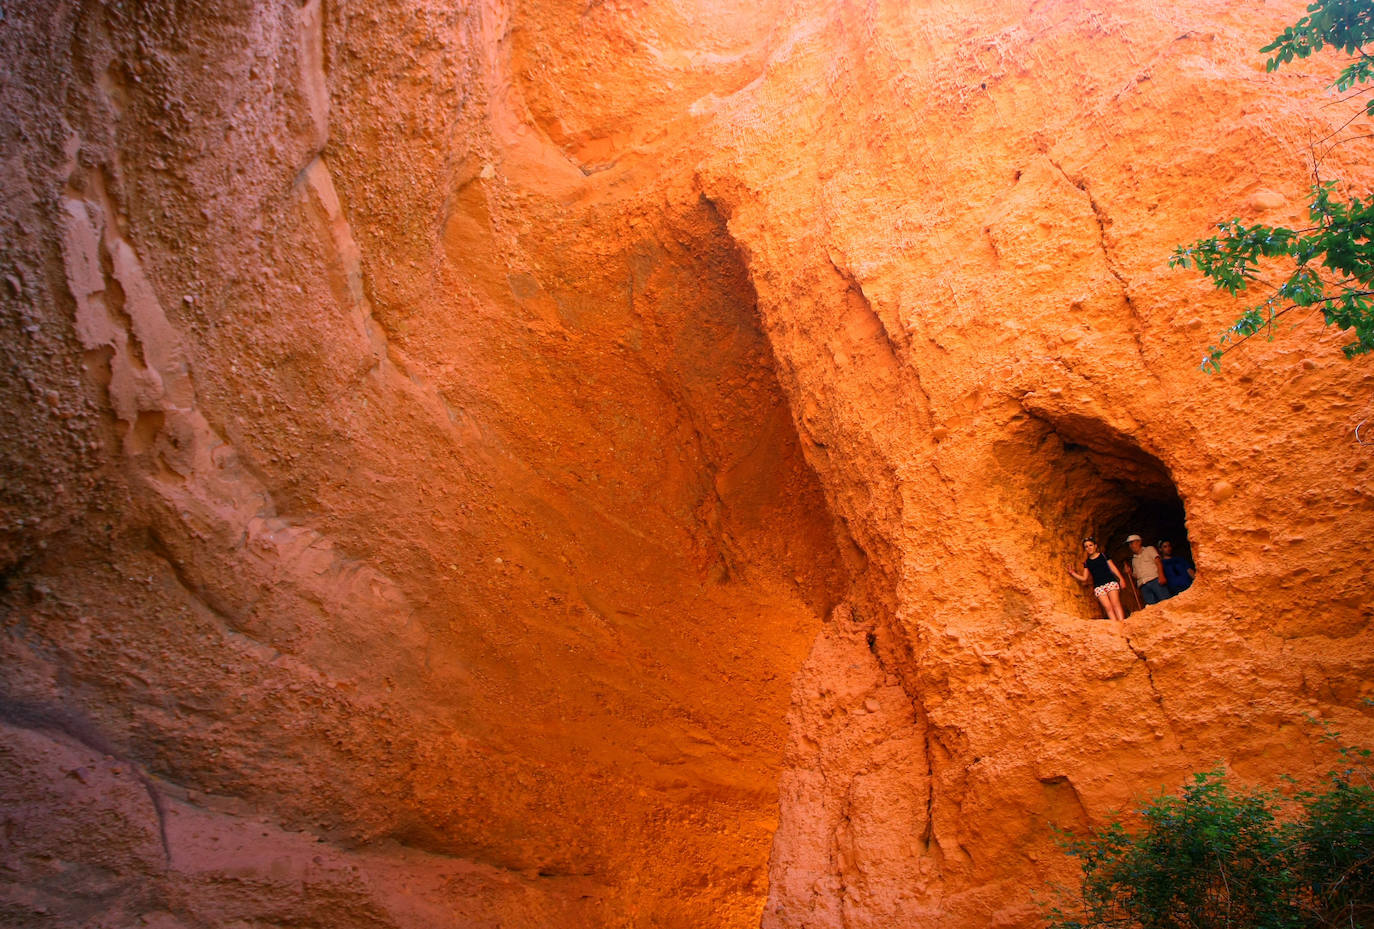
(1178, 571)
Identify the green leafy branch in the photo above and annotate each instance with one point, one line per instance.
(1332, 261)
(1345, 25)
(1332, 269)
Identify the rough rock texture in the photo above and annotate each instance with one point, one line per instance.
(439, 440)
(964, 285)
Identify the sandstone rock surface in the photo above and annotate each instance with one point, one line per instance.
(565, 464)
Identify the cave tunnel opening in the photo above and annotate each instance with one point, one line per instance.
(1155, 521)
(1116, 488)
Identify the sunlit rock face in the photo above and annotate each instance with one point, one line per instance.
(568, 464)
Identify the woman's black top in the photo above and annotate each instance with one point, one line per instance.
(1100, 568)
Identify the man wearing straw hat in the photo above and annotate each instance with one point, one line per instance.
(1147, 571)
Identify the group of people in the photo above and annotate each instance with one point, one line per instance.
(1155, 574)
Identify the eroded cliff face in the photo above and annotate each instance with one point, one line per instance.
(563, 464)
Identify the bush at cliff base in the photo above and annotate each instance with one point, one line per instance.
(1215, 856)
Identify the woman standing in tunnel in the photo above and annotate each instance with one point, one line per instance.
(1105, 578)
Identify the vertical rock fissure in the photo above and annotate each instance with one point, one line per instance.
(1100, 219)
(1154, 688)
(64, 722)
(928, 837)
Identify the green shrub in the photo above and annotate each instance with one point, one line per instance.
(1333, 841)
(1215, 856)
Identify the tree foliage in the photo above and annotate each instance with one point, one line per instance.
(1329, 264)
(1215, 856)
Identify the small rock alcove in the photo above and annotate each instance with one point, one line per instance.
(1112, 488)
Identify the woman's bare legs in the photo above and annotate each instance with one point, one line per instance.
(1116, 612)
(1106, 605)
(1111, 605)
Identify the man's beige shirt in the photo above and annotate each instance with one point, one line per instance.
(1143, 565)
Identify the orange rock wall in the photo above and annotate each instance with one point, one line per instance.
(964, 282)
(370, 479)
(440, 441)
